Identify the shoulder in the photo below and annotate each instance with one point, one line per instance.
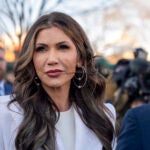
(139, 114)
(111, 108)
(136, 117)
(5, 99)
(10, 120)
(8, 114)
(144, 109)
(5, 115)
(132, 127)
(112, 112)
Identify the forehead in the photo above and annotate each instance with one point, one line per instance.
(52, 34)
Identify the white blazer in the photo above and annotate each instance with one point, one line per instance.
(11, 119)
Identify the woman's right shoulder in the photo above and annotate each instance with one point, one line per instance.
(112, 114)
(10, 119)
(5, 99)
(8, 112)
(4, 110)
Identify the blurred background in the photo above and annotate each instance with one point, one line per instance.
(114, 27)
(119, 31)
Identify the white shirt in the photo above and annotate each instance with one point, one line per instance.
(85, 139)
(66, 128)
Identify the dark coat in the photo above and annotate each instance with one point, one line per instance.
(135, 130)
(8, 88)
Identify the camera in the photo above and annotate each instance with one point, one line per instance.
(133, 78)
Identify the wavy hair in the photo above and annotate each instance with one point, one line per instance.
(37, 129)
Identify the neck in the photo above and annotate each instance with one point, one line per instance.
(61, 97)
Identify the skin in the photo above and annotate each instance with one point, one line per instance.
(136, 104)
(55, 50)
(2, 65)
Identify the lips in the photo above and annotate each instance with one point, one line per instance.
(54, 73)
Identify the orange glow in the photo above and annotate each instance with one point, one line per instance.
(10, 56)
(127, 55)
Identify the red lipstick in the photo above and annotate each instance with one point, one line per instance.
(54, 73)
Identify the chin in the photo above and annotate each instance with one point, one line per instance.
(54, 86)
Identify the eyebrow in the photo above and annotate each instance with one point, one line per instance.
(63, 42)
(40, 44)
(57, 44)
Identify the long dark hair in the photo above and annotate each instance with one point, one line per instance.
(38, 126)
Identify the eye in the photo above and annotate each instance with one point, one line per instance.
(40, 48)
(63, 46)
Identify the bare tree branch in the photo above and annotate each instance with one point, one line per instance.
(18, 13)
(3, 27)
(10, 12)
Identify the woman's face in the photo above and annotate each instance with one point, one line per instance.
(54, 58)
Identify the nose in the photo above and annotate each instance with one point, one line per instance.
(52, 57)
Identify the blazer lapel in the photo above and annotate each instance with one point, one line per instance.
(59, 143)
(84, 137)
(17, 117)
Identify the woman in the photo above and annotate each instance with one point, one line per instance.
(57, 103)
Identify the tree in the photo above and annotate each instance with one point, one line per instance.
(119, 28)
(18, 15)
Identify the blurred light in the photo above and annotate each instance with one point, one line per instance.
(10, 56)
(128, 55)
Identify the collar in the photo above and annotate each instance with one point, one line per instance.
(85, 138)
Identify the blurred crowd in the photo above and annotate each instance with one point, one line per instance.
(6, 86)
(127, 82)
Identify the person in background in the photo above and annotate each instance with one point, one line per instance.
(5, 86)
(135, 129)
(140, 53)
(58, 99)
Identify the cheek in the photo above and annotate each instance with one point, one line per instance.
(71, 62)
(37, 62)
(36, 67)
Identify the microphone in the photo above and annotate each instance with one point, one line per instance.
(79, 72)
